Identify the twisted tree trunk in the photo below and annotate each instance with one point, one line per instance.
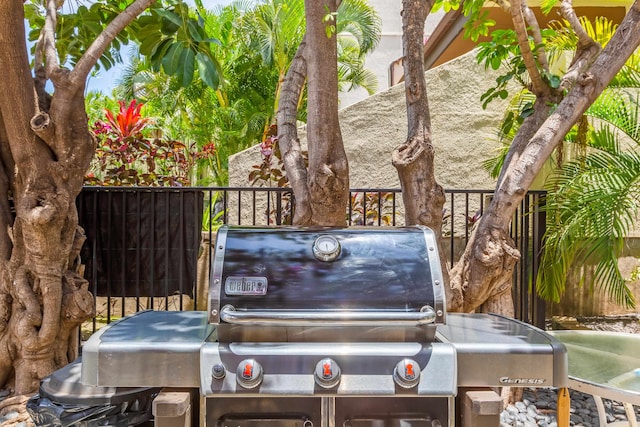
(45, 150)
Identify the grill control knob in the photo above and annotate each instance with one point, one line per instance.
(407, 373)
(327, 373)
(218, 371)
(249, 373)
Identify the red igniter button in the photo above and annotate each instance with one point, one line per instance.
(249, 373)
(407, 373)
(327, 373)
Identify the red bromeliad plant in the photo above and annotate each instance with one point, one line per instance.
(126, 156)
(128, 122)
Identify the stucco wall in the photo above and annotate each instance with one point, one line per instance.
(463, 133)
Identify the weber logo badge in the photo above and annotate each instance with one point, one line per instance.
(236, 285)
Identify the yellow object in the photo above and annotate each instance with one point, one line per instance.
(564, 403)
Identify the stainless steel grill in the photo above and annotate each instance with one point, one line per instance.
(324, 327)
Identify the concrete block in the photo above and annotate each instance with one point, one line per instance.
(481, 408)
(172, 409)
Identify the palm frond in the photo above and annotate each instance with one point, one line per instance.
(358, 19)
(592, 207)
(621, 109)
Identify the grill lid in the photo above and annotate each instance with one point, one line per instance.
(306, 277)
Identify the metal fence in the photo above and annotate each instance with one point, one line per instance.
(149, 248)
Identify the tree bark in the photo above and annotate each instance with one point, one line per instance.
(45, 151)
(484, 272)
(288, 140)
(423, 197)
(328, 175)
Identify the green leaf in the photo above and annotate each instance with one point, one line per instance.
(149, 45)
(547, 5)
(496, 62)
(527, 110)
(195, 31)
(208, 71)
(159, 53)
(171, 60)
(167, 14)
(187, 61)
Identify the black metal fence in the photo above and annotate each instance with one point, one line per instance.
(150, 248)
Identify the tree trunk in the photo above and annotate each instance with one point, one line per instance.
(286, 118)
(42, 298)
(483, 274)
(328, 175)
(423, 197)
(45, 150)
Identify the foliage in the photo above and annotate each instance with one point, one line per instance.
(594, 199)
(365, 208)
(125, 156)
(77, 30)
(254, 45)
(176, 41)
(267, 173)
(270, 172)
(371, 208)
(478, 22)
(214, 216)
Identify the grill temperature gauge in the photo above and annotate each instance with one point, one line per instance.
(326, 248)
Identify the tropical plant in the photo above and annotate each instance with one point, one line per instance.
(126, 156)
(371, 208)
(255, 45)
(594, 200)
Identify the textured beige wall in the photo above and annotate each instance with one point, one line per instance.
(463, 133)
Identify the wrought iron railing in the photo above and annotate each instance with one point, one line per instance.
(149, 248)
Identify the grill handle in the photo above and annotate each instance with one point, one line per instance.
(425, 316)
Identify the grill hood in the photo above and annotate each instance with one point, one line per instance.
(299, 284)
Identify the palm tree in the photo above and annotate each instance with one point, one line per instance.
(276, 28)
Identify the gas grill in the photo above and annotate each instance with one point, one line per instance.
(324, 327)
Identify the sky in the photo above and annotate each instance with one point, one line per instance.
(105, 81)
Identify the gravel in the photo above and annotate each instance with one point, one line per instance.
(538, 409)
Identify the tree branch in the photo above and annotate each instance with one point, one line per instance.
(49, 36)
(532, 22)
(78, 76)
(286, 118)
(586, 51)
(568, 13)
(589, 86)
(414, 15)
(40, 73)
(538, 85)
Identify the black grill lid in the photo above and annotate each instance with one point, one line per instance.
(285, 268)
